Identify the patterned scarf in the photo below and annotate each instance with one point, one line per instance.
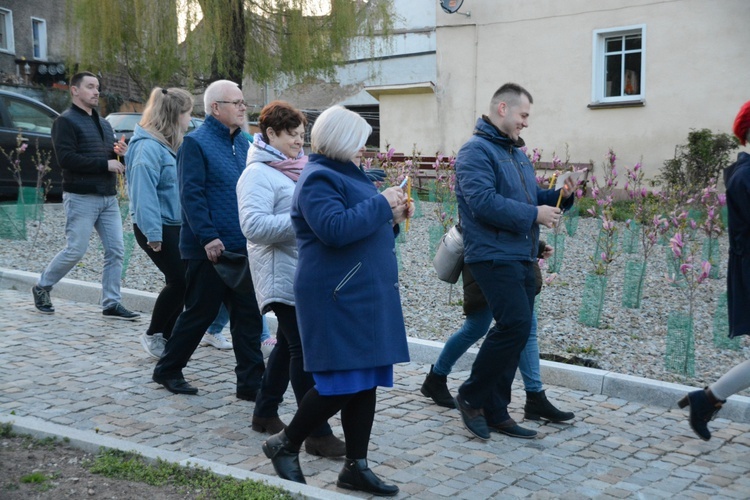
(291, 167)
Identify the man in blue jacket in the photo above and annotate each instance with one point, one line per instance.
(501, 207)
(209, 164)
(85, 149)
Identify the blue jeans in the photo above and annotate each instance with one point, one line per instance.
(223, 318)
(83, 214)
(474, 328)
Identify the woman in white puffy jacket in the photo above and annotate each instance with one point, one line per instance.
(264, 194)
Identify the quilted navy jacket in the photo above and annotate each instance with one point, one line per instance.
(209, 164)
(346, 287)
(497, 198)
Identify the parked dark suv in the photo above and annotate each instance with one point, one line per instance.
(124, 124)
(33, 121)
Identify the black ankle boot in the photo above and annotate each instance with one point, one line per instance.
(538, 407)
(703, 408)
(284, 457)
(357, 476)
(436, 387)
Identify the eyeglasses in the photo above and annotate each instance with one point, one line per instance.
(237, 104)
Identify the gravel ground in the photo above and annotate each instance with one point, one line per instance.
(629, 341)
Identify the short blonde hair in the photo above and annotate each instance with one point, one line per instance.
(339, 133)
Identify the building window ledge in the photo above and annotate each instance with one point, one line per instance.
(622, 104)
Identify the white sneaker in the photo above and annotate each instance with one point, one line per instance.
(267, 346)
(218, 341)
(153, 344)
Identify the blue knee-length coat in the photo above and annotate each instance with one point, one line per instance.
(346, 284)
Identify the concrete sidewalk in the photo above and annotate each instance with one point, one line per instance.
(79, 375)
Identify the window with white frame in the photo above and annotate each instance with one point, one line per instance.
(6, 31)
(619, 66)
(39, 38)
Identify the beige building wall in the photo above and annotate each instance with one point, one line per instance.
(696, 73)
(408, 118)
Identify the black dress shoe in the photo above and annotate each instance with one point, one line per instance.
(356, 475)
(473, 419)
(175, 385)
(284, 457)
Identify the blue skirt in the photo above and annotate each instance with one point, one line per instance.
(340, 382)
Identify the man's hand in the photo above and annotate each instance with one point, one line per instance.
(115, 166)
(214, 248)
(548, 216)
(121, 147)
(155, 246)
(569, 187)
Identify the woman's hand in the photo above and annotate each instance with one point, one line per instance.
(398, 203)
(155, 245)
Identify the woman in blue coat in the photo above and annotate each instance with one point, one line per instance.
(704, 404)
(347, 297)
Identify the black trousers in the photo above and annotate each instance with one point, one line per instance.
(509, 287)
(205, 293)
(284, 364)
(171, 299)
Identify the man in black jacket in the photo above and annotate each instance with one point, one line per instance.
(85, 149)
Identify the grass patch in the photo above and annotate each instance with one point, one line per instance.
(132, 467)
(582, 350)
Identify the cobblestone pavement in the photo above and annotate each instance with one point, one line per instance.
(78, 369)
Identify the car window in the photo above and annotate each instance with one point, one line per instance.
(27, 117)
(194, 124)
(123, 123)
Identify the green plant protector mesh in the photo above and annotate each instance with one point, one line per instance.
(592, 302)
(556, 241)
(721, 327)
(12, 221)
(710, 252)
(725, 216)
(631, 238)
(632, 288)
(680, 355)
(435, 232)
(33, 202)
(128, 239)
(124, 209)
(431, 191)
(418, 211)
(572, 218)
(676, 278)
(401, 238)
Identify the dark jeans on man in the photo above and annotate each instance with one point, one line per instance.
(205, 293)
(284, 364)
(509, 287)
(171, 299)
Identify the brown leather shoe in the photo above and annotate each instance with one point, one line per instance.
(325, 446)
(271, 425)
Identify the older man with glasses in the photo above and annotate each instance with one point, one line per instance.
(209, 164)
